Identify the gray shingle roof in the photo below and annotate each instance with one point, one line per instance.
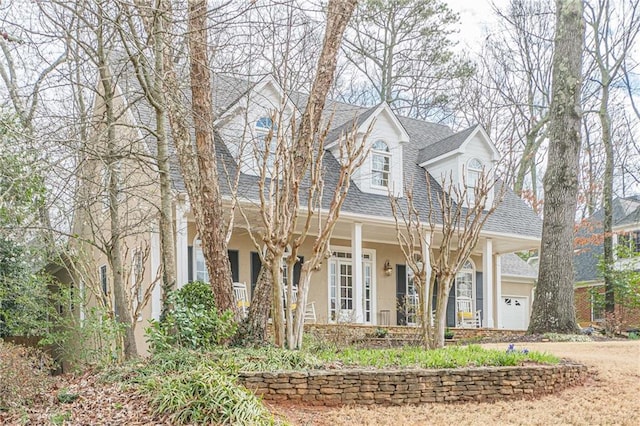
(356, 122)
(445, 145)
(626, 211)
(512, 264)
(512, 216)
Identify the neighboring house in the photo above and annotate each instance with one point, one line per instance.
(589, 250)
(366, 274)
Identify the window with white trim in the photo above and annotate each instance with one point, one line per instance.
(464, 281)
(201, 272)
(380, 164)
(474, 172)
(266, 142)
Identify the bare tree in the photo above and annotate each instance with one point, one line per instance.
(553, 308)
(510, 92)
(436, 248)
(613, 29)
(298, 156)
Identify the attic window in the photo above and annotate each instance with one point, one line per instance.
(266, 142)
(474, 170)
(380, 164)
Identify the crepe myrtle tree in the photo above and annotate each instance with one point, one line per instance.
(293, 208)
(457, 213)
(298, 162)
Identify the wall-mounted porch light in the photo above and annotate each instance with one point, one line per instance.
(387, 268)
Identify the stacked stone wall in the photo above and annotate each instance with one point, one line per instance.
(413, 386)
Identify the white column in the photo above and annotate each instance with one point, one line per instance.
(499, 291)
(156, 294)
(182, 245)
(426, 261)
(487, 277)
(357, 275)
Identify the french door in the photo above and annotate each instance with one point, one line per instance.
(341, 288)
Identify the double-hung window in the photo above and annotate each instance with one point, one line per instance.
(380, 164)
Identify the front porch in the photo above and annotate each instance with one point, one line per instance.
(365, 281)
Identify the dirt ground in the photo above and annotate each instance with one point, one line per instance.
(611, 397)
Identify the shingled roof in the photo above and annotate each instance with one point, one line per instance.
(445, 145)
(513, 216)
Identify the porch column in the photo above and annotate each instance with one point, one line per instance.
(357, 275)
(499, 291)
(182, 245)
(487, 277)
(156, 296)
(426, 262)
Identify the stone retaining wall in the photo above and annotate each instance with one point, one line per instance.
(353, 333)
(413, 386)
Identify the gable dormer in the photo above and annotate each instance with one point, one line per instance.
(462, 157)
(382, 171)
(250, 125)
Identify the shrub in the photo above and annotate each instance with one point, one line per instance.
(193, 321)
(205, 395)
(24, 374)
(381, 333)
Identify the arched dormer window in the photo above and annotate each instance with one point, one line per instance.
(380, 164)
(474, 172)
(263, 126)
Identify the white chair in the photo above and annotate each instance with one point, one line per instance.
(466, 317)
(310, 312)
(242, 299)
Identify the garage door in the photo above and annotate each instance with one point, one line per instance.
(515, 313)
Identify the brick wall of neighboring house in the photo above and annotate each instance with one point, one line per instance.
(629, 317)
(583, 305)
(412, 386)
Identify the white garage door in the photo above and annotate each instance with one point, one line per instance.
(515, 313)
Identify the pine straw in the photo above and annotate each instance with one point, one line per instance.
(610, 397)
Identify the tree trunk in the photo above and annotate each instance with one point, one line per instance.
(553, 307)
(338, 15)
(253, 330)
(167, 240)
(607, 196)
(114, 247)
(208, 213)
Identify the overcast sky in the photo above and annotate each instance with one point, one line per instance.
(476, 16)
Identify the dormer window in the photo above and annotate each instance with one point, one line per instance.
(380, 164)
(474, 171)
(264, 126)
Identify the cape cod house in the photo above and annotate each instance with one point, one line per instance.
(366, 274)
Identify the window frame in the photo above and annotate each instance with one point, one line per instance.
(472, 176)
(385, 155)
